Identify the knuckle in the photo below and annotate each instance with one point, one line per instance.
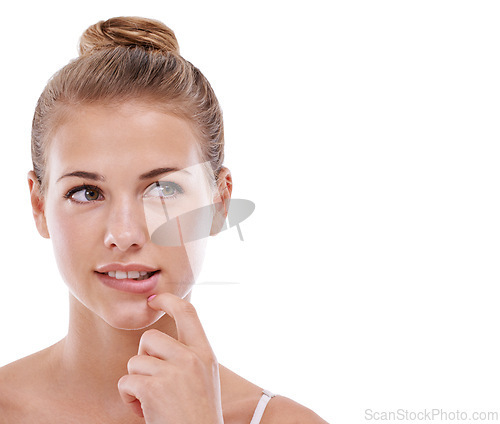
(187, 308)
(132, 363)
(152, 385)
(208, 356)
(212, 363)
(192, 360)
(122, 382)
(150, 334)
(212, 359)
(214, 369)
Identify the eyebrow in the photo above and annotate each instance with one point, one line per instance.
(83, 174)
(159, 171)
(146, 176)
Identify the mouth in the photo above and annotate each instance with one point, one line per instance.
(129, 275)
(138, 282)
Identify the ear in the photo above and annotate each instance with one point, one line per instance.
(221, 200)
(37, 204)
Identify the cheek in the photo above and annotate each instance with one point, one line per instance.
(72, 240)
(186, 220)
(196, 254)
(182, 266)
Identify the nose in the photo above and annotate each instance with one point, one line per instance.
(126, 225)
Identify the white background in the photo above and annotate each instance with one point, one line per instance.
(367, 135)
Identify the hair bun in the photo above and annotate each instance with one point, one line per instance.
(146, 33)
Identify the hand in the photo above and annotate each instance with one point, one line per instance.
(174, 381)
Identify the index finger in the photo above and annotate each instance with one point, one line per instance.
(189, 329)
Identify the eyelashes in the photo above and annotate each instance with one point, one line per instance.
(85, 190)
(164, 190)
(87, 193)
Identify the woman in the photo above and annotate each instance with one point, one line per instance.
(128, 183)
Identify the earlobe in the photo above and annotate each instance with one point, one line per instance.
(37, 204)
(222, 200)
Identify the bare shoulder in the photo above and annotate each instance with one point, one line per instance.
(12, 377)
(240, 398)
(24, 372)
(282, 410)
(20, 386)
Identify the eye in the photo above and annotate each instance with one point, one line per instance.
(84, 194)
(164, 189)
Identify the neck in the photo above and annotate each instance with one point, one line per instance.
(94, 355)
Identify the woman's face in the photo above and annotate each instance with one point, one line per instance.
(109, 188)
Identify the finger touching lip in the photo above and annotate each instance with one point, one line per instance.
(189, 328)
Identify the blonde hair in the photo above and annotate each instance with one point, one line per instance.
(123, 59)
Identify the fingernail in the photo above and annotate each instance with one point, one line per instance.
(151, 297)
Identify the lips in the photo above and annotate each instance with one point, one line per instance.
(134, 275)
(125, 267)
(142, 284)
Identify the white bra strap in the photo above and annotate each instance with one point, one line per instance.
(261, 406)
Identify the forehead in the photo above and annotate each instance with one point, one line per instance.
(130, 135)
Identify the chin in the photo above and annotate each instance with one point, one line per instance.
(132, 317)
